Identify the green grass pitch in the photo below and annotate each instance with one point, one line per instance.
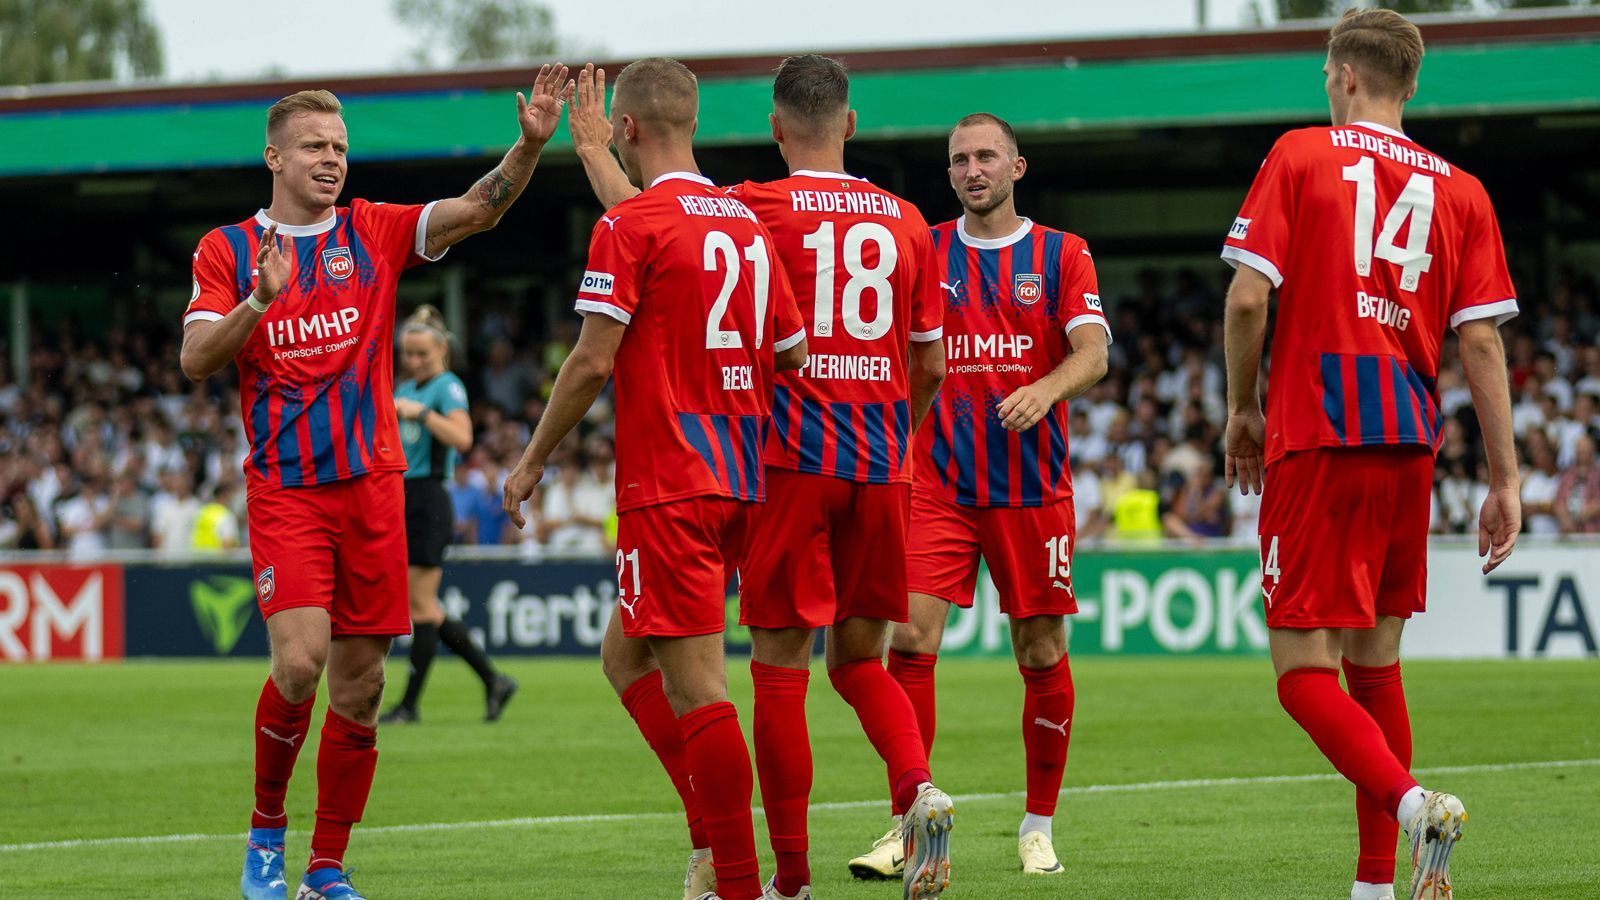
(154, 749)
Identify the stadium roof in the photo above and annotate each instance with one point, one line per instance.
(1507, 64)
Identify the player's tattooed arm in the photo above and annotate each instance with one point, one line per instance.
(591, 139)
(481, 207)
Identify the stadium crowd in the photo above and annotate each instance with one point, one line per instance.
(109, 448)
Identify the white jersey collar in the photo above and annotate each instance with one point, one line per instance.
(1383, 129)
(323, 227)
(993, 243)
(832, 176)
(686, 176)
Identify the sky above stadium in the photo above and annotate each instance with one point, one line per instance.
(209, 40)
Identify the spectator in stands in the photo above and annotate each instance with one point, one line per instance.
(1577, 504)
(1200, 508)
(130, 510)
(216, 526)
(1540, 480)
(83, 517)
(1136, 513)
(174, 513)
(505, 383)
(21, 526)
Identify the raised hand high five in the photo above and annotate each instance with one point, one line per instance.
(273, 265)
(539, 113)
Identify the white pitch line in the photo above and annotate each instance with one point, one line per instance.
(535, 821)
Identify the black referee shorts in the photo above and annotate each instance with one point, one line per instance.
(430, 519)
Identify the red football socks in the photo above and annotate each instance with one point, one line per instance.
(1046, 731)
(720, 765)
(280, 733)
(889, 721)
(783, 763)
(1346, 734)
(1380, 692)
(914, 672)
(346, 760)
(647, 703)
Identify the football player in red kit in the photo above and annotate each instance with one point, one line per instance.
(301, 297)
(836, 459)
(684, 300)
(1377, 248)
(1024, 331)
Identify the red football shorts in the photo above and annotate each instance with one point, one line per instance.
(1344, 536)
(824, 549)
(675, 562)
(1028, 549)
(340, 546)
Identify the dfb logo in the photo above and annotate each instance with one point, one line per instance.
(338, 262)
(1027, 288)
(61, 612)
(266, 584)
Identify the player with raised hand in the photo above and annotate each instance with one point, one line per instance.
(838, 483)
(683, 300)
(1377, 247)
(301, 297)
(1024, 332)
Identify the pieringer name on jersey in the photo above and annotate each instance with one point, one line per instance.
(854, 368)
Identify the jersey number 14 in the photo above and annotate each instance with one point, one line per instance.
(1415, 202)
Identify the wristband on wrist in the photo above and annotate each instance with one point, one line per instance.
(257, 305)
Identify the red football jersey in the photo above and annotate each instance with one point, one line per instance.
(1376, 246)
(1009, 305)
(863, 260)
(691, 272)
(316, 376)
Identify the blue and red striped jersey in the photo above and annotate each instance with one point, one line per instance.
(1010, 304)
(690, 272)
(1377, 247)
(862, 260)
(316, 376)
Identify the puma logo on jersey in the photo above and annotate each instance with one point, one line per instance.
(611, 222)
(1267, 595)
(1058, 583)
(954, 289)
(629, 606)
(1042, 721)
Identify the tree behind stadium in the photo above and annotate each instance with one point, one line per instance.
(77, 40)
(478, 31)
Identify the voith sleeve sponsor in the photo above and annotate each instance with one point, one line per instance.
(1081, 303)
(610, 283)
(1259, 236)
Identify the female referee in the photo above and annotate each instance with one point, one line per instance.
(435, 429)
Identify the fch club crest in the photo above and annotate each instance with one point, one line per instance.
(266, 584)
(1027, 288)
(338, 262)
